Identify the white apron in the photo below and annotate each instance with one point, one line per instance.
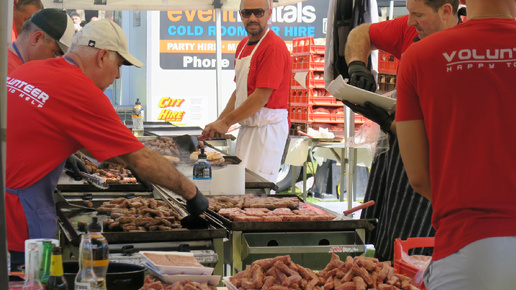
(261, 138)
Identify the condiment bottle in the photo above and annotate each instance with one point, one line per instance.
(57, 280)
(46, 256)
(137, 118)
(86, 278)
(202, 173)
(32, 281)
(100, 251)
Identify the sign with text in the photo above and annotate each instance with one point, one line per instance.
(187, 38)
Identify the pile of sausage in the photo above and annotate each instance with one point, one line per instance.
(166, 147)
(139, 215)
(355, 273)
(152, 284)
(276, 215)
(251, 201)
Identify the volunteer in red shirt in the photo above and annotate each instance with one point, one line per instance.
(48, 33)
(23, 10)
(56, 107)
(401, 212)
(456, 100)
(260, 100)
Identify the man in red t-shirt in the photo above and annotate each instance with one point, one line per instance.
(401, 212)
(48, 33)
(23, 10)
(455, 121)
(56, 107)
(260, 100)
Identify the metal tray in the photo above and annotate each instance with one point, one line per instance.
(66, 212)
(289, 226)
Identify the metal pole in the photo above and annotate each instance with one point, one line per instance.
(391, 10)
(218, 49)
(5, 30)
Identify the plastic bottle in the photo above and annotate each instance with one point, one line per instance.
(100, 250)
(138, 117)
(202, 173)
(57, 280)
(46, 257)
(32, 281)
(86, 278)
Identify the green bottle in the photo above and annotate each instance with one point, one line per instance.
(46, 257)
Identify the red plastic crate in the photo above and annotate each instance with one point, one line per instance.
(307, 114)
(306, 45)
(314, 80)
(319, 97)
(307, 62)
(402, 267)
(387, 63)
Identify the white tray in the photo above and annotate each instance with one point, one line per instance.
(211, 280)
(175, 270)
(342, 91)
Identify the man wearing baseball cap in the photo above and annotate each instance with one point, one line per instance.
(59, 103)
(48, 33)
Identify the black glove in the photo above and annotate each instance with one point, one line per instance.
(198, 204)
(360, 76)
(373, 113)
(75, 166)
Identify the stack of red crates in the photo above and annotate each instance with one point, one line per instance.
(387, 69)
(313, 105)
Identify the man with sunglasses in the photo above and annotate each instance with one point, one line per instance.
(260, 100)
(48, 33)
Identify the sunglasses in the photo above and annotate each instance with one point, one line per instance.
(246, 13)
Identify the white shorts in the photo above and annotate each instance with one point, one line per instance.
(484, 264)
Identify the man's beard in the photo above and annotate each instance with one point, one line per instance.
(258, 32)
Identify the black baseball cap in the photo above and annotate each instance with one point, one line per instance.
(57, 24)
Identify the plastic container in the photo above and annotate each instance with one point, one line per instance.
(319, 97)
(202, 174)
(137, 118)
(308, 62)
(313, 80)
(387, 63)
(306, 45)
(100, 251)
(404, 268)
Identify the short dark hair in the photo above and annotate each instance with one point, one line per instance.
(436, 4)
(22, 3)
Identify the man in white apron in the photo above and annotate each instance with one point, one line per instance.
(260, 100)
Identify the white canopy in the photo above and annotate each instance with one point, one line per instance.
(119, 5)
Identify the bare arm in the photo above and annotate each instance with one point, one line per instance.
(413, 144)
(152, 167)
(252, 104)
(358, 45)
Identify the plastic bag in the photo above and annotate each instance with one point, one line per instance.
(371, 137)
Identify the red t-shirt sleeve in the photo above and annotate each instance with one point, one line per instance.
(408, 106)
(393, 36)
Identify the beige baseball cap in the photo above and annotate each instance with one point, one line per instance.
(105, 34)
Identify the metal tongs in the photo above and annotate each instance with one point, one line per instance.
(92, 179)
(187, 221)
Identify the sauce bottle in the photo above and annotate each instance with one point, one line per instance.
(137, 118)
(86, 278)
(57, 280)
(100, 251)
